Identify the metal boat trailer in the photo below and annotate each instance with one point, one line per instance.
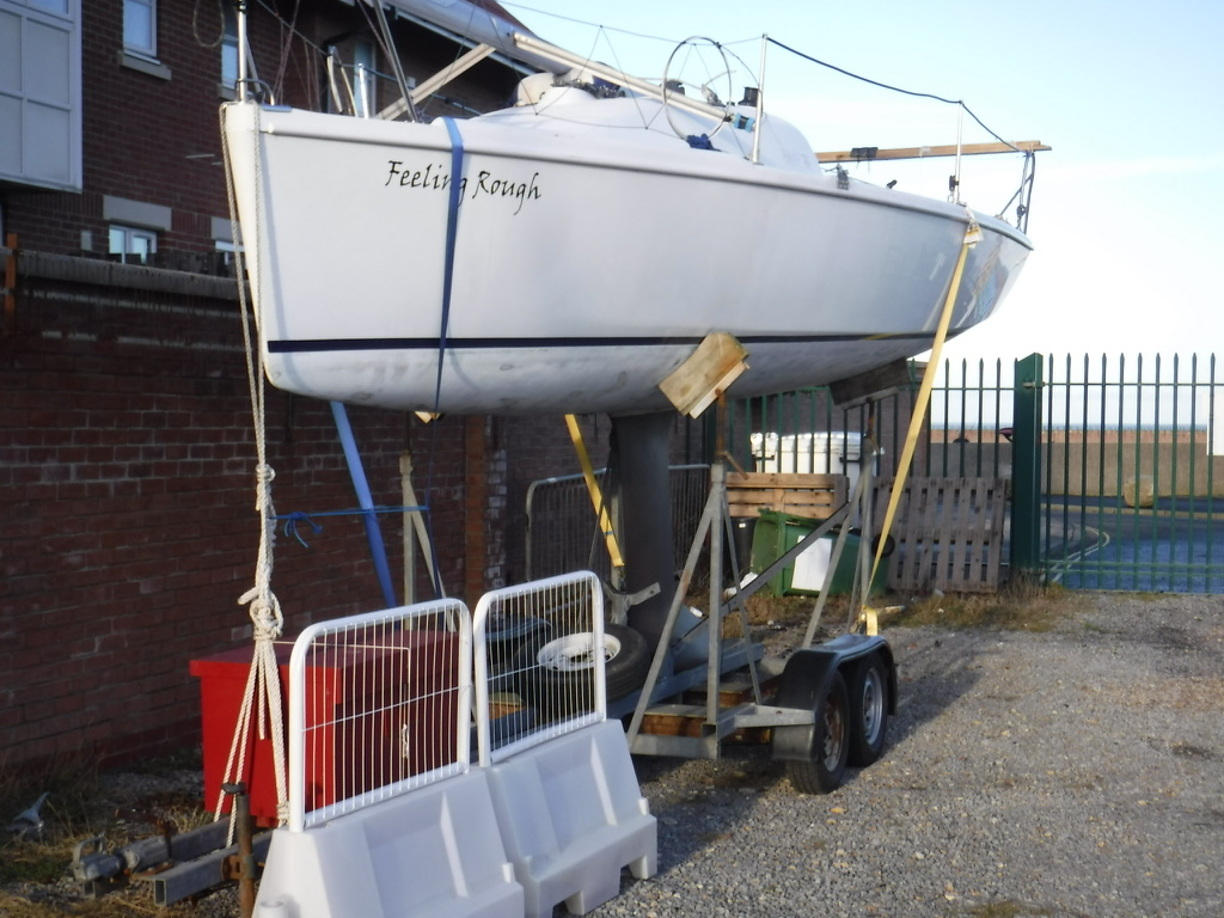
(822, 708)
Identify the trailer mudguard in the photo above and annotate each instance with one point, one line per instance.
(805, 680)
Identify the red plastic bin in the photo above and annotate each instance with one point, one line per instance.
(374, 715)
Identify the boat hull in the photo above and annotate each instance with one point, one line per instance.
(583, 269)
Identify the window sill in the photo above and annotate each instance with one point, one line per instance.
(144, 65)
(228, 93)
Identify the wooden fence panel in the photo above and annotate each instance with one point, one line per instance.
(949, 534)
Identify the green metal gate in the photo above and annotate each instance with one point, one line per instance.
(1131, 459)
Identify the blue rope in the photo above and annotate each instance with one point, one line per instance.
(292, 519)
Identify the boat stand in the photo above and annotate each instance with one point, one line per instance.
(692, 701)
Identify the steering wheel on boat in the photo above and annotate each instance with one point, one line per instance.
(696, 60)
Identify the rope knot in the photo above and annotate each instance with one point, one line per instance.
(267, 622)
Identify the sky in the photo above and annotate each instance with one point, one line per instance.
(1127, 215)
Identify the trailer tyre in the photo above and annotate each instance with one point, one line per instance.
(868, 710)
(826, 768)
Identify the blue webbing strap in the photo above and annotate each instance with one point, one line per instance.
(448, 278)
(378, 551)
(452, 231)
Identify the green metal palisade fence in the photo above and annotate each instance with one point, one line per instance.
(1116, 465)
(1133, 451)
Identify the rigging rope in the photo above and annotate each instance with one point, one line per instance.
(262, 708)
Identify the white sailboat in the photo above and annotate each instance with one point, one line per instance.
(568, 253)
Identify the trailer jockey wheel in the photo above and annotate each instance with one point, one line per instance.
(868, 710)
(560, 668)
(825, 768)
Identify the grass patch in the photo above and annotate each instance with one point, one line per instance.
(768, 611)
(137, 900)
(1020, 607)
(71, 781)
(82, 803)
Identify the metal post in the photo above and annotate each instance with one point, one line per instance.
(1026, 467)
(640, 445)
(760, 104)
(241, 866)
(242, 51)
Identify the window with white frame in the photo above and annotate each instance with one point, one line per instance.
(228, 251)
(132, 245)
(229, 48)
(140, 27)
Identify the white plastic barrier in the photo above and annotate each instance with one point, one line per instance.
(567, 799)
(571, 817)
(386, 819)
(431, 853)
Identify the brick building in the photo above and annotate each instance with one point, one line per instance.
(126, 439)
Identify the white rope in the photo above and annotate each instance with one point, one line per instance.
(262, 692)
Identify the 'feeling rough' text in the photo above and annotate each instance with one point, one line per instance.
(484, 184)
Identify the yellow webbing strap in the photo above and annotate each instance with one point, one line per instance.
(868, 617)
(597, 500)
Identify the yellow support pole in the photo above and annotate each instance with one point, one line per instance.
(869, 617)
(593, 489)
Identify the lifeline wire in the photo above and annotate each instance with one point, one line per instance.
(908, 92)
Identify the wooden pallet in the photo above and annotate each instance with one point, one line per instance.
(949, 534)
(813, 497)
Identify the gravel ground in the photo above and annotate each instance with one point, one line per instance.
(1077, 771)
(1073, 772)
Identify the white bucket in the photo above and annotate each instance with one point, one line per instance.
(833, 452)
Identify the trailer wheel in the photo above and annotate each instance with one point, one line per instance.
(868, 710)
(826, 768)
(562, 664)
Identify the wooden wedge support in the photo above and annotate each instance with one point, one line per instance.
(716, 363)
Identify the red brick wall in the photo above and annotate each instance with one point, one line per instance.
(127, 473)
(127, 493)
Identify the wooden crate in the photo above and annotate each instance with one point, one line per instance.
(949, 534)
(813, 497)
